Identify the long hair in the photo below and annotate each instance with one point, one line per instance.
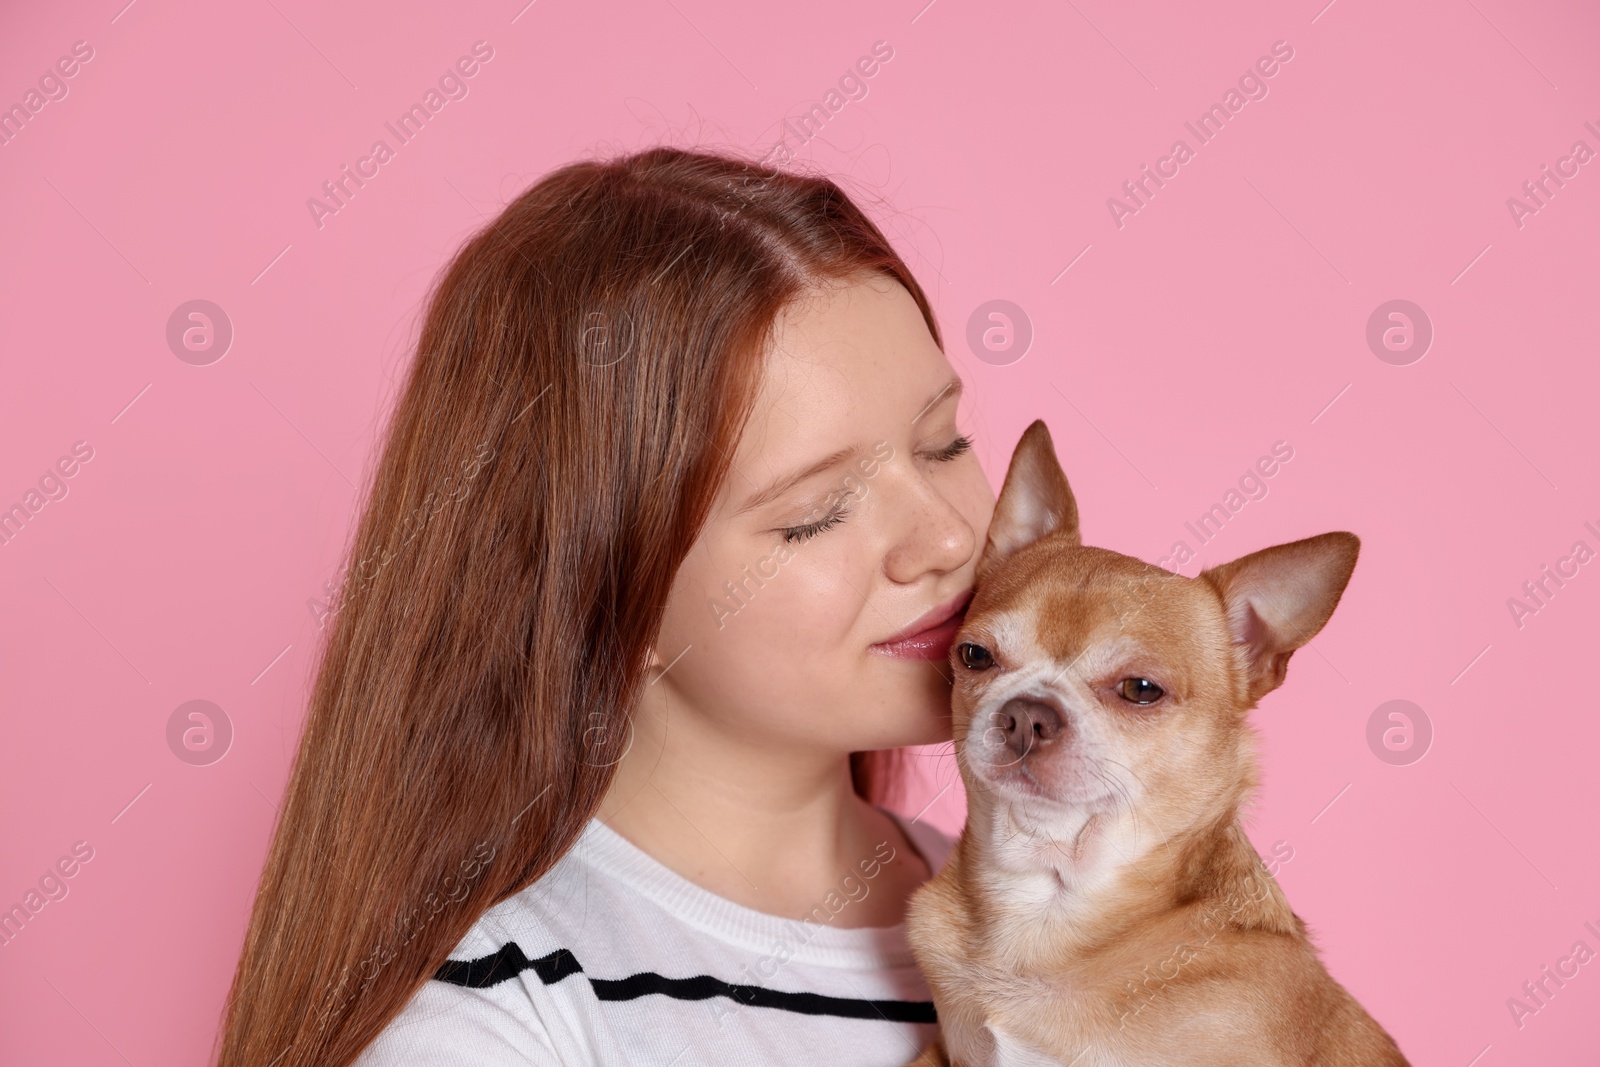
(586, 365)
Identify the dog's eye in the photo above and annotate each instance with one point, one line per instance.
(975, 657)
(1140, 690)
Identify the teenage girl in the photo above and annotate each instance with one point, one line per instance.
(656, 577)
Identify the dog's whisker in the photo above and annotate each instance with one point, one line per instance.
(1165, 842)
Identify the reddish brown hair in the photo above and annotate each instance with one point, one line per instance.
(585, 368)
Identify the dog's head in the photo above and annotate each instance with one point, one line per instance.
(1090, 682)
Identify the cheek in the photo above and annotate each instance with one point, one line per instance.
(975, 499)
(771, 618)
(800, 592)
(1178, 755)
(784, 658)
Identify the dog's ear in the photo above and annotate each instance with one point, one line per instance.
(1035, 500)
(1277, 599)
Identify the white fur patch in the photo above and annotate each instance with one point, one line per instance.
(1013, 1052)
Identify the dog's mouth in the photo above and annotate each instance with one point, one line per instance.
(1064, 782)
(1019, 777)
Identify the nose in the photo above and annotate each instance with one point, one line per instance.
(1025, 724)
(936, 533)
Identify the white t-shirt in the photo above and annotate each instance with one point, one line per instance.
(612, 958)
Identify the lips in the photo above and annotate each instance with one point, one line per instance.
(929, 637)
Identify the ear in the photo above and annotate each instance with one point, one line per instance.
(1034, 501)
(1279, 598)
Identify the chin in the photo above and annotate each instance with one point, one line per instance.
(901, 712)
(902, 731)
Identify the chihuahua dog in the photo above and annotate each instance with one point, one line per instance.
(1103, 906)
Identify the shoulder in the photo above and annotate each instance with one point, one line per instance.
(451, 1024)
(446, 1025)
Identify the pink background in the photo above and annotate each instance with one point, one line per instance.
(1230, 312)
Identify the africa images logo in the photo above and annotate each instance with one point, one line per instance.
(452, 85)
(1252, 85)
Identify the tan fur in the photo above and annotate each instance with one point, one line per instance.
(1103, 905)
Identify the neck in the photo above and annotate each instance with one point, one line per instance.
(774, 828)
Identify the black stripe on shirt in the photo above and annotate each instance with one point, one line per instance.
(509, 962)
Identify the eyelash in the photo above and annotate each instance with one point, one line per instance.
(795, 534)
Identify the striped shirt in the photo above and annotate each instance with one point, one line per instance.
(612, 958)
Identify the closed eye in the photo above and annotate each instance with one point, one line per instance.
(805, 532)
(960, 446)
(796, 534)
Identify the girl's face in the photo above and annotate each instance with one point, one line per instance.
(854, 509)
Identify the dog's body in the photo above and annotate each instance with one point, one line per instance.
(1103, 906)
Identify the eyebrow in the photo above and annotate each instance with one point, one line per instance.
(952, 388)
(947, 391)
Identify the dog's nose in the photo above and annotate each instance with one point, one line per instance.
(1026, 725)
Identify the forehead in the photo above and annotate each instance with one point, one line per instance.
(842, 360)
(1090, 606)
